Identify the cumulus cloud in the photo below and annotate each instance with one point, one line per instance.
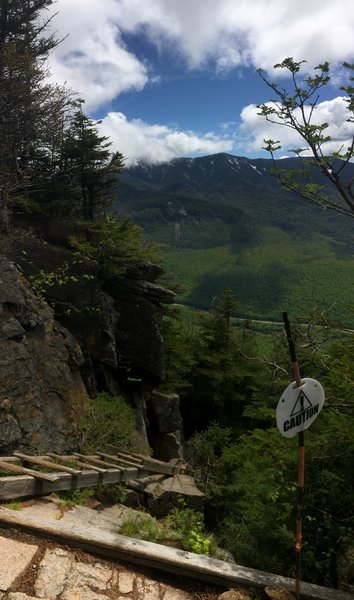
(139, 141)
(225, 34)
(255, 128)
(231, 33)
(92, 59)
(96, 60)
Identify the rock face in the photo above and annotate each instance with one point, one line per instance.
(165, 425)
(138, 332)
(106, 336)
(116, 319)
(39, 370)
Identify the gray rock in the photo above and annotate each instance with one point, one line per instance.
(168, 446)
(237, 594)
(39, 370)
(105, 314)
(82, 593)
(146, 589)
(164, 410)
(93, 576)
(11, 329)
(164, 495)
(139, 306)
(56, 561)
(10, 430)
(126, 582)
(171, 593)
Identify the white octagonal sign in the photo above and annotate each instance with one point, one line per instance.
(299, 406)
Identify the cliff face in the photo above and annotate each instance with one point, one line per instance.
(105, 336)
(39, 370)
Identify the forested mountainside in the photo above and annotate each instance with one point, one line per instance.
(94, 349)
(222, 180)
(225, 222)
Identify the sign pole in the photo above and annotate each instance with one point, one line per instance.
(301, 460)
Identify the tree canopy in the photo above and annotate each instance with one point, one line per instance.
(27, 101)
(52, 158)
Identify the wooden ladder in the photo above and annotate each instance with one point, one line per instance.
(36, 475)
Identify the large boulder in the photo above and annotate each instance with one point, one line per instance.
(168, 446)
(39, 371)
(164, 412)
(162, 496)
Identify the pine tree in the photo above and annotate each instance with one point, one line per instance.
(89, 166)
(225, 376)
(26, 100)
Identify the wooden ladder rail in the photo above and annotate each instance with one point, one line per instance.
(24, 471)
(46, 463)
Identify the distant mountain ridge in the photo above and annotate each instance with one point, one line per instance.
(222, 170)
(199, 177)
(250, 229)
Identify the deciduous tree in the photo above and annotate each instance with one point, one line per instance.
(295, 108)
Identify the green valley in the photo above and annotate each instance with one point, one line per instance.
(223, 222)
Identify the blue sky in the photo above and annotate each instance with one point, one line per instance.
(175, 78)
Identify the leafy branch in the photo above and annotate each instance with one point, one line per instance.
(295, 109)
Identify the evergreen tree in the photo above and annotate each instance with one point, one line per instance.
(225, 375)
(178, 339)
(27, 102)
(88, 166)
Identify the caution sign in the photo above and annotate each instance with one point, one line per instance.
(298, 407)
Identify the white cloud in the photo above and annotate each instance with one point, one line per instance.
(137, 140)
(227, 34)
(99, 66)
(92, 59)
(256, 128)
(231, 33)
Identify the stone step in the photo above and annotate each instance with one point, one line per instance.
(107, 543)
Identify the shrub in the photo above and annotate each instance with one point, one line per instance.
(142, 527)
(72, 498)
(105, 420)
(184, 525)
(189, 524)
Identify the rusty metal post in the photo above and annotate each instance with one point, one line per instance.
(301, 462)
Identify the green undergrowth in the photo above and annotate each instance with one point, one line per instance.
(182, 527)
(106, 494)
(13, 505)
(105, 420)
(251, 492)
(71, 498)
